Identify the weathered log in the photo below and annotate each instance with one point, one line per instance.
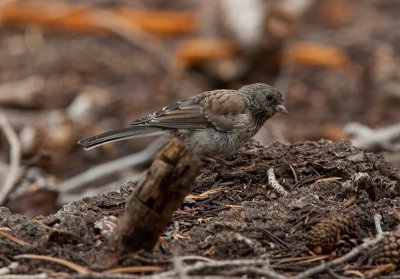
(159, 194)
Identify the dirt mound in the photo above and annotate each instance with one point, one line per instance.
(233, 213)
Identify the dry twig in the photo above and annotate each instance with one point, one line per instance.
(25, 276)
(68, 197)
(374, 139)
(231, 268)
(133, 269)
(275, 184)
(109, 168)
(15, 157)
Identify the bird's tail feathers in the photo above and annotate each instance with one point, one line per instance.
(119, 134)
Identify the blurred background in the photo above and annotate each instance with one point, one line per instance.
(70, 69)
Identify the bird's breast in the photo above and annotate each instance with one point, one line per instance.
(211, 142)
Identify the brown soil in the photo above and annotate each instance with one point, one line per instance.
(242, 218)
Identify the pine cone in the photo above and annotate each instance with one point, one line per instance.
(344, 246)
(323, 237)
(389, 250)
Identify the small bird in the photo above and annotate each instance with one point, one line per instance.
(212, 123)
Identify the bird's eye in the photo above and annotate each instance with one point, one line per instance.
(269, 98)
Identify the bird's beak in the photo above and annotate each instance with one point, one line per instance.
(281, 108)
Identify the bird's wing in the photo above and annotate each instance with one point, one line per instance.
(217, 109)
(186, 114)
(226, 110)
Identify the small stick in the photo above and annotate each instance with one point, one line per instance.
(374, 139)
(238, 267)
(109, 168)
(15, 158)
(275, 184)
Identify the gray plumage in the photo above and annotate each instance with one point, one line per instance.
(212, 123)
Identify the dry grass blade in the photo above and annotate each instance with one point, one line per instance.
(300, 260)
(79, 269)
(329, 179)
(13, 238)
(233, 206)
(205, 194)
(380, 269)
(133, 269)
(296, 179)
(196, 258)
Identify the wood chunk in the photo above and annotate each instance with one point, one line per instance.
(160, 193)
(197, 51)
(96, 20)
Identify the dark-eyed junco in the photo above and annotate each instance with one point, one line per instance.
(212, 123)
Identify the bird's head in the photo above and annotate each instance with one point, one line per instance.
(264, 99)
